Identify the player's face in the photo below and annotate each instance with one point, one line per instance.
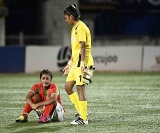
(45, 80)
(69, 19)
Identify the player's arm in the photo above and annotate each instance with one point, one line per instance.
(67, 67)
(29, 97)
(83, 53)
(70, 61)
(50, 100)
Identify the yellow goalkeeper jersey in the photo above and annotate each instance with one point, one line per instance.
(80, 32)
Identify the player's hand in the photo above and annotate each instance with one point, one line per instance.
(40, 109)
(34, 106)
(66, 70)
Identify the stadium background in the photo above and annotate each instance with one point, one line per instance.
(34, 36)
(125, 34)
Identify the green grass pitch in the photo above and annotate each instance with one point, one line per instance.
(117, 103)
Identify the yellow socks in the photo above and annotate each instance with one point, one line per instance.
(83, 109)
(75, 101)
(81, 106)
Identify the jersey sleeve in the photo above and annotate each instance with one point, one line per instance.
(35, 89)
(53, 89)
(81, 34)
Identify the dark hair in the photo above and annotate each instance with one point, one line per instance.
(72, 10)
(46, 71)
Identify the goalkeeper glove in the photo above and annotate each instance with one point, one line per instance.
(88, 73)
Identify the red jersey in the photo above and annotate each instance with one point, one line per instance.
(38, 89)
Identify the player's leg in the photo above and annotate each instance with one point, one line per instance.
(70, 82)
(82, 106)
(46, 114)
(27, 109)
(82, 100)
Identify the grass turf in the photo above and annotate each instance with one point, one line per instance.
(117, 103)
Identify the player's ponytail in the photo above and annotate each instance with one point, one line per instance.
(72, 10)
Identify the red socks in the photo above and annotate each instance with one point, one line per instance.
(27, 108)
(48, 110)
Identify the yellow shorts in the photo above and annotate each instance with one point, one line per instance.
(75, 74)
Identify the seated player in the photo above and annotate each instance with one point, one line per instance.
(44, 99)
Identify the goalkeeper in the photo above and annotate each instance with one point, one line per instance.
(81, 66)
(44, 99)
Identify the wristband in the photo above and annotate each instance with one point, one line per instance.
(82, 63)
(69, 62)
